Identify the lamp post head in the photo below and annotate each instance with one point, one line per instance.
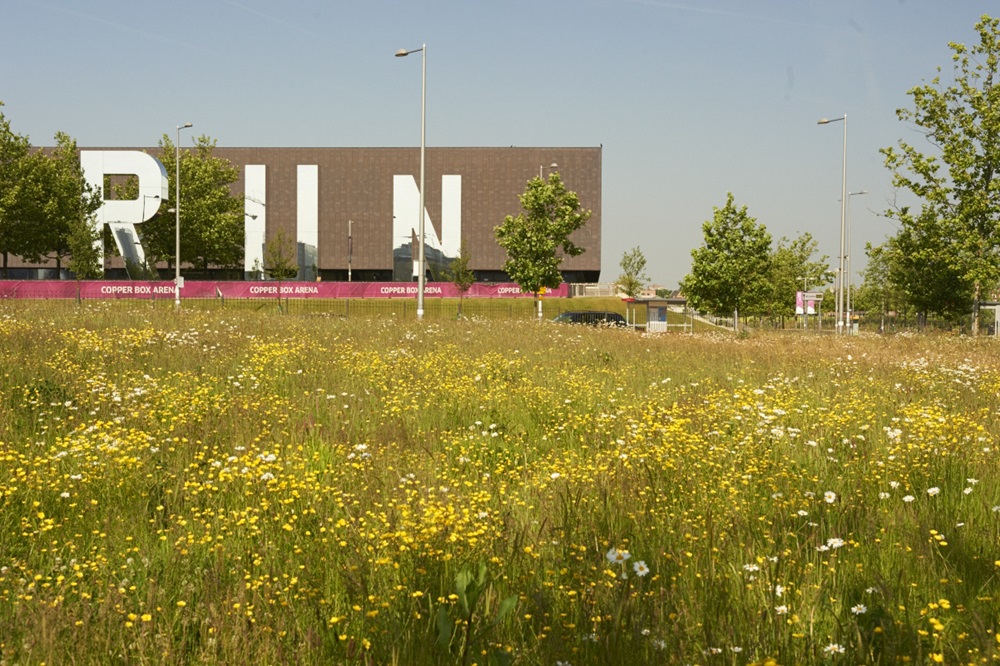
(185, 125)
(401, 53)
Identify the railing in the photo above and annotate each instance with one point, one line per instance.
(665, 326)
(593, 289)
(400, 309)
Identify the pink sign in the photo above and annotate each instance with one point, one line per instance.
(39, 289)
(800, 299)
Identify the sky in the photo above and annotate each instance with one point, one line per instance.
(690, 100)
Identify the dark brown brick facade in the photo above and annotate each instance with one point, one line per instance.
(357, 184)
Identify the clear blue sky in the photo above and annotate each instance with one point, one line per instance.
(690, 99)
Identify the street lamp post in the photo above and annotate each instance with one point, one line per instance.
(177, 219)
(843, 225)
(541, 177)
(850, 310)
(422, 277)
(350, 248)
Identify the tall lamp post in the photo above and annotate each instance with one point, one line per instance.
(843, 225)
(422, 277)
(177, 212)
(541, 177)
(850, 252)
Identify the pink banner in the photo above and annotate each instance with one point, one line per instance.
(800, 299)
(192, 289)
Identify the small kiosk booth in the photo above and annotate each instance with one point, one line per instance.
(657, 319)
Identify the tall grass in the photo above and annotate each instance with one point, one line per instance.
(241, 487)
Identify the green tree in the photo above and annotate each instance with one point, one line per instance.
(280, 261)
(212, 222)
(70, 201)
(793, 264)
(957, 230)
(731, 269)
(32, 206)
(878, 294)
(537, 239)
(633, 277)
(922, 264)
(41, 196)
(461, 275)
(84, 251)
(15, 232)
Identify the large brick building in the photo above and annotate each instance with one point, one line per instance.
(319, 196)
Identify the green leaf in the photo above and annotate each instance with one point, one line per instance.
(462, 581)
(445, 627)
(481, 578)
(506, 606)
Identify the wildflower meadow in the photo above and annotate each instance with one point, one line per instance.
(230, 487)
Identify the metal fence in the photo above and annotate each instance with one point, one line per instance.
(593, 289)
(402, 308)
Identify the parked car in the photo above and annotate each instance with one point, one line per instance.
(591, 318)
